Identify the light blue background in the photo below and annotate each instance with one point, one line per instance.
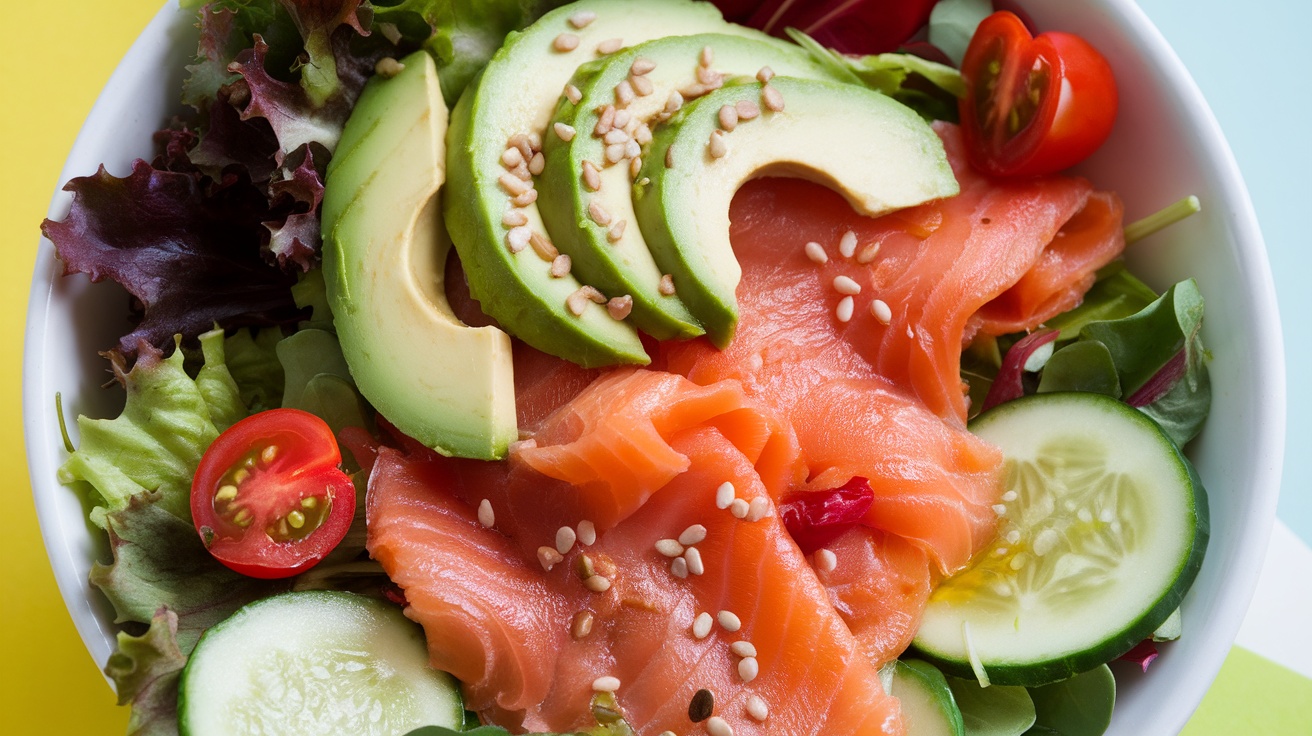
(1253, 63)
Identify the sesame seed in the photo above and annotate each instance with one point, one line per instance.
(597, 584)
(591, 177)
(743, 649)
(518, 237)
(694, 534)
(669, 547)
(1010, 496)
(486, 516)
(757, 709)
(666, 286)
(642, 134)
(774, 101)
(747, 110)
(724, 495)
(701, 706)
(560, 266)
(717, 726)
(758, 509)
(548, 557)
(701, 626)
(606, 684)
(616, 231)
(632, 149)
(565, 42)
(624, 93)
(615, 135)
(605, 121)
(694, 558)
(910, 333)
(847, 244)
(644, 181)
(710, 78)
(868, 253)
(565, 132)
(610, 46)
(573, 94)
(513, 185)
(565, 538)
(620, 307)
(525, 199)
(816, 252)
(592, 294)
(765, 75)
(511, 158)
(739, 508)
(729, 621)
(748, 668)
(587, 533)
(534, 144)
(880, 309)
(623, 118)
(674, 102)
(845, 308)
(521, 172)
(598, 213)
(635, 166)
(582, 19)
(717, 147)
(728, 117)
(576, 303)
(514, 218)
(826, 560)
(846, 285)
(679, 568)
(521, 143)
(387, 67)
(669, 157)
(581, 626)
(615, 153)
(642, 86)
(707, 56)
(543, 247)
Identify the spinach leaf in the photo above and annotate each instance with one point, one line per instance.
(997, 710)
(1086, 365)
(1116, 294)
(1080, 706)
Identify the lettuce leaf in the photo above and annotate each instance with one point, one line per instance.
(146, 670)
(253, 362)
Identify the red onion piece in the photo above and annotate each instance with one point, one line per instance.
(816, 518)
(1161, 383)
(1143, 654)
(1008, 385)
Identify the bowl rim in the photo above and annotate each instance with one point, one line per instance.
(41, 433)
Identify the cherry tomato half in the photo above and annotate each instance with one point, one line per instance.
(1033, 105)
(268, 498)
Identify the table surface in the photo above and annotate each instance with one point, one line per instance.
(1246, 59)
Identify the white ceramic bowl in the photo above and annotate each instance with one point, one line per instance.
(1166, 145)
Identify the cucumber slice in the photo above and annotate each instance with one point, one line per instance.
(313, 663)
(928, 708)
(1101, 531)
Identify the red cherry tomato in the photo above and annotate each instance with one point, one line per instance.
(268, 498)
(1033, 105)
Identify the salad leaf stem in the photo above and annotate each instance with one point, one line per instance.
(63, 424)
(1168, 215)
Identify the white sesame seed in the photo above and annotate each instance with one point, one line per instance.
(511, 158)
(605, 121)
(521, 143)
(666, 286)
(728, 117)
(387, 67)
(620, 307)
(543, 247)
(548, 557)
(816, 252)
(669, 157)
(598, 213)
(518, 238)
(1010, 496)
(642, 134)
(615, 153)
(565, 538)
(846, 285)
(577, 303)
(632, 149)
(616, 231)
(514, 218)
(565, 42)
(739, 508)
(534, 144)
(606, 684)
(999, 509)
(679, 567)
(724, 495)
(707, 56)
(880, 309)
(911, 333)
(623, 118)
(709, 78)
(717, 726)
(757, 709)
(826, 560)
(615, 135)
(521, 171)
(694, 534)
(641, 65)
(644, 181)
(537, 164)
(669, 547)
(642, 86)
(765, 75)
(847, 244)
(581, 626)
(747, 110)
(591, 177)
(748, 668)
(743, 649)
(513, 185)
(674, 102)
(525, 199)
(701, 626)
(774, 101)
(560, 266)
(486, 516)
(587, 533)
(564, 132)
(610, 46)
(624, 93)
(573, 94)
(717, 146)
(694, 559)
(758, 509)
(635, 166)
(868, 253)
(729, 620)
(845, 308)
(582, 19)
(597, 584)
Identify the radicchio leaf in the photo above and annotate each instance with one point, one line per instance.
(851, 26)
(191, 254)
(1008, 384)
(228, 140)
(816, 518)
(316, 20)
(1142, 654)
(299, 185)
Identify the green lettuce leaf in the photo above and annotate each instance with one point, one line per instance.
(155, 444)
(1115, 295)
(252, 359)
(952, 24)
(146, 670)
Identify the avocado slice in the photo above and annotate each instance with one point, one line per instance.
(615, 257)
(873, 150)
(517, 95)
(446, 384)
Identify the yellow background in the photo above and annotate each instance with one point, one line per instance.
(55, 59)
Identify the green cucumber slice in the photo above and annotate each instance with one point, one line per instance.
(928, 708)
(1101, 531)
(315, 662)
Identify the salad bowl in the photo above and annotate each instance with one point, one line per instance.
(1166, 145)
